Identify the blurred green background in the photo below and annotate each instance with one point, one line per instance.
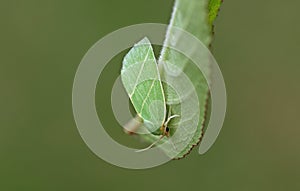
(42, 43)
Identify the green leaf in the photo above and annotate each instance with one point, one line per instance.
(195, 17)
(141, 80)
(192, 16)
(213, 8)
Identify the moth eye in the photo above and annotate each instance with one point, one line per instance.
(167, 129)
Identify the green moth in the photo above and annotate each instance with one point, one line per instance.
(157, 104)
(142, 82)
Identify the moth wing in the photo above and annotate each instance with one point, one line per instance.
(141, 79)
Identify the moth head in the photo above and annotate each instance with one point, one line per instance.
(165, 128)
(166, 131)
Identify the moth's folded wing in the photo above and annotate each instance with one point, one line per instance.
(141, 79)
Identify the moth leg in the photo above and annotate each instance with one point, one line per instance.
(150, 146)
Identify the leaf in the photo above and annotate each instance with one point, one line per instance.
(141, 80)
(213, 10)
(192, 17)
(196, 17)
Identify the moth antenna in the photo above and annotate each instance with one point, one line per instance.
(169, 112)
(168, 120)
(150, 146)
